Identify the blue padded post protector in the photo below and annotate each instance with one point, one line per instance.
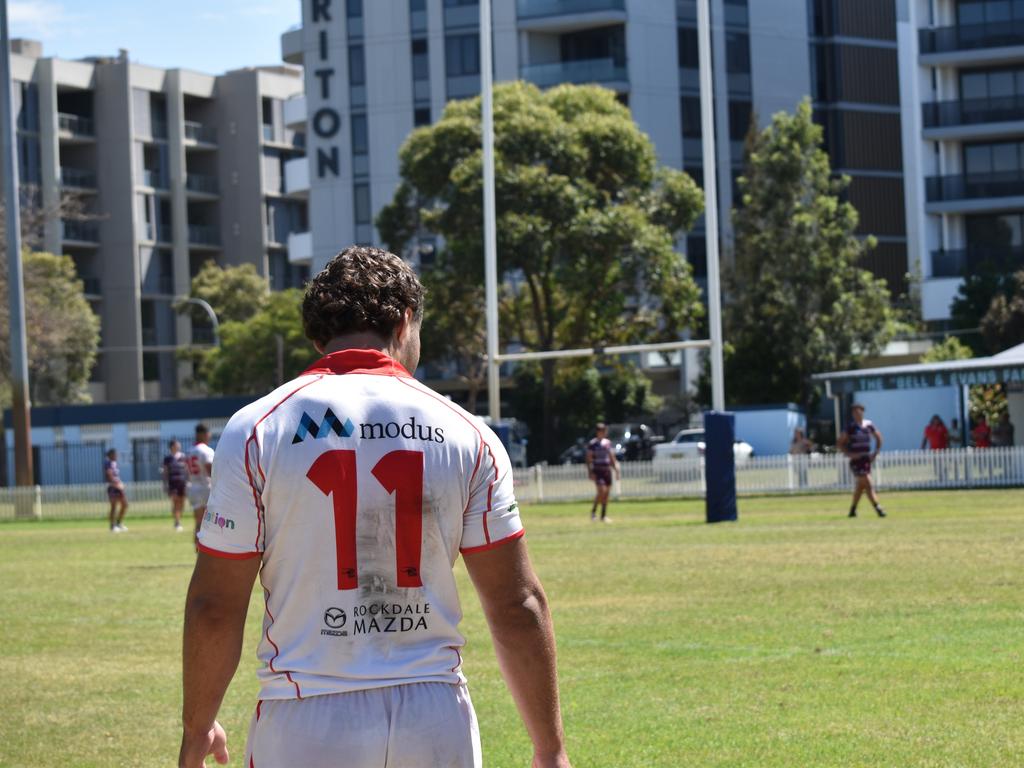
(720, 466)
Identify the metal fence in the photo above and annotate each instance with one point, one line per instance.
(903, 470)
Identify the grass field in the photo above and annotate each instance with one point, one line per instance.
(793, 638)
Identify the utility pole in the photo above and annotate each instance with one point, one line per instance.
(15, 284)
(490, 225)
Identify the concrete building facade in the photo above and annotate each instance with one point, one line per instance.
(173, 168)
(962, 72)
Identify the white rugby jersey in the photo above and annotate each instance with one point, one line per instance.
(199, 456)
(358, 486)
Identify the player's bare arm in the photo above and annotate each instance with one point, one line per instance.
(842, 442)
(878, 443)
(615, 464)
(215, 609)
(524, 640)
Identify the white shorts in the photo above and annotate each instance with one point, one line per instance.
(420, 725)
(198, 495)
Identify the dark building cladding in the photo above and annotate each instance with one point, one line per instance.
(855, 84)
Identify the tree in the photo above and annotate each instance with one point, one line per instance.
(950, 348)
(246, 362)
(235, 294)
(586, 221)
(991, 278)
(62, 331)
(1003, 324)
(799, 303)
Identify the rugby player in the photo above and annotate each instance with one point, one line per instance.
(115, 492)
(600, 463)
(175, 476)
(855, 442)
(350, 491)
(200, 472)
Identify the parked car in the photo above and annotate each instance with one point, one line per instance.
(633, 442)
(690, 444)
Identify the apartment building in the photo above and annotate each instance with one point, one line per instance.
(964, 72)
(175, 168)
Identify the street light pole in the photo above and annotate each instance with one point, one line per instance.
(15, 285)
(205, 306)
(490, 224)
(707, 120)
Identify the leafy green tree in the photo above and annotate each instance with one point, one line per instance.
(798, 301)
(950, 348)
(987, 280)
(62, 331)
(988, 400)
(246, 362)
(586, 221)
(1002, 326)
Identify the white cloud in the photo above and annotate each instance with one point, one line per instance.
(38, 18)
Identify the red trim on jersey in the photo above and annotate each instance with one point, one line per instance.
(259, 706)
(494, 544)
(483, 441)
(368, 361)
(277, 651)
(257, 500)
(228, 555)
(490, 493)
(458, 656)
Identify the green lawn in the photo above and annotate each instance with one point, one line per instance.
(793, 638)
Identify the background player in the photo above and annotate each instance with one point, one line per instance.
(115, 493)
(855, 442)
(200, 471)
(600, 463)
(351, 491)
(174, 472)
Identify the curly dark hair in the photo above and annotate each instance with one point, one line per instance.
(360, 289)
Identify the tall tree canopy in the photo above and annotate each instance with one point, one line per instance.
(62, 331)
(798, 301)
(586, 220)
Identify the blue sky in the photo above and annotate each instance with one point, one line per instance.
(210, 36)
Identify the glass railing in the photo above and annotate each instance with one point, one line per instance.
(995, 109)
(77, 125)
(973, 186)
(202, 334)
(158, 129)
(584, 71)
(77, 177)
(83, 231)
(204, 134)
(530, 9)
(968, 37)
(203, 235)
(159, 285)
(200, 182)
(965, 261)
(155, 179)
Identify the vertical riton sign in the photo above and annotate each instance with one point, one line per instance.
(324, 118)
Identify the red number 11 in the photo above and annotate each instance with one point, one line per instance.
(401, 474)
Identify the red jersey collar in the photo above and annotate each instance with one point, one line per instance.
(369, 361)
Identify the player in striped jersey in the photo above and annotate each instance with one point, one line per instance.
(600, 463)
(351, 491)
(855, 442)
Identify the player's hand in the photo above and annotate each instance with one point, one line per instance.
(559, 760)
(195, 747)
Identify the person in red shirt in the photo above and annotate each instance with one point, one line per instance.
(981, 434)
(936, 436)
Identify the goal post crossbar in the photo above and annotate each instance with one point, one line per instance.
(620, 349)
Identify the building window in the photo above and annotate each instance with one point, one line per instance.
(994, 231)
(27, 107)
(420, 60)
(417, 6)
(458, 3)
(268, 119)
(353, 9)
(994, 84)
(1002, 157)
(421, 116)
(690, 113)
(970, 12)
(361, 204)
(688, 48)
(737, 53)
(462, 55)
(607, 43)
(740, 113)
(360, 135)
(356, 66)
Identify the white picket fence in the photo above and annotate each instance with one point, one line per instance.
(824, 473)
(817, 473)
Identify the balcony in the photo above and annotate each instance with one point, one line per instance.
(159, 285)
(291, 45)
(296, 176)
(199, 133)
(157, 232)
(75, 125)
(964, 112)
(975, 186)
(77, 178)
(569, 15)
(203, 235)
(201, 183)
(965, 261)
(603, 71)
(972, 37)
(80, 231)
(300, 247)
(154, 178)
(295, 112)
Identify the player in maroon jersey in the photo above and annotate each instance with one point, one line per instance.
(600, 463)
